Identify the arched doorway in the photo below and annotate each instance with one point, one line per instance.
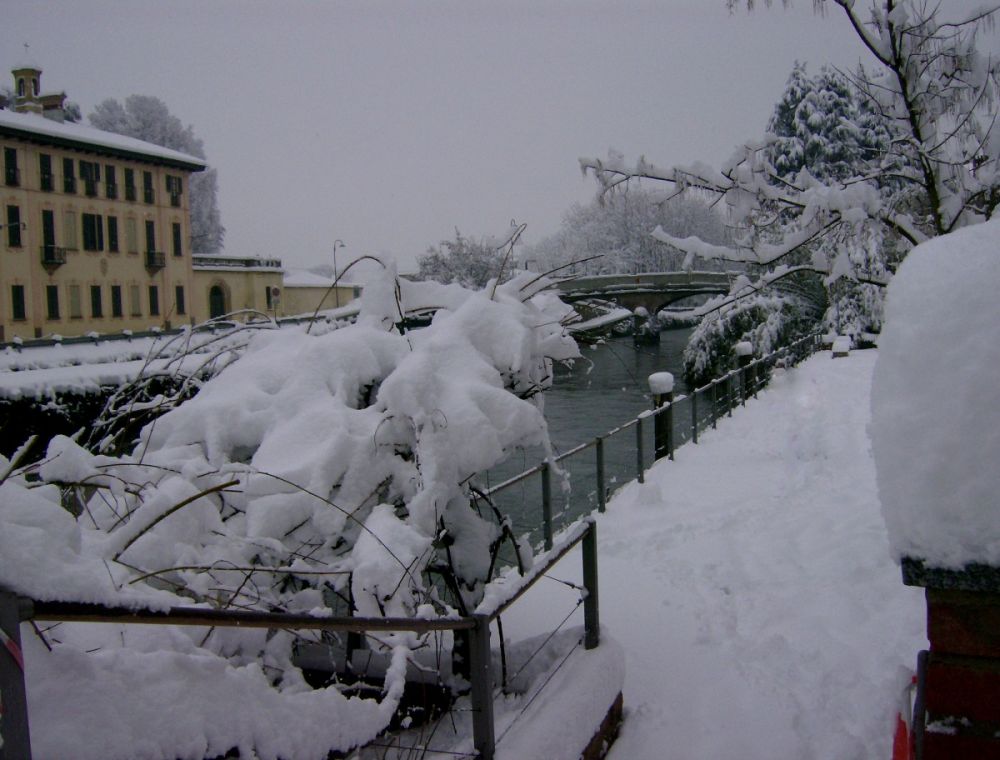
(217, 305)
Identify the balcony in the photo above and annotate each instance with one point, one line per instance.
(155, 260)
(53, 257)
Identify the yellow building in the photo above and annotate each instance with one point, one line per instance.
(95, 226)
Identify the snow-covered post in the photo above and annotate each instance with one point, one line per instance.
(661, 385)
(15, 741)
(744, 354)
(935, 401)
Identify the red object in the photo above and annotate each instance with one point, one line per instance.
(901, 744)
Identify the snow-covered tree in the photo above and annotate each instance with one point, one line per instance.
(927, 87)
(148, 118)
(465, 261)
(613, 236)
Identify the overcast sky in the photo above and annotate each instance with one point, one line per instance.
(388, 124)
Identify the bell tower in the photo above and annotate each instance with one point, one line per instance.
(27, 89)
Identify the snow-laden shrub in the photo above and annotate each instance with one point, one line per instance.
(315, 471)
(768, 320)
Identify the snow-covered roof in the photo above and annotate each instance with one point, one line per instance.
(30, 126)
(303, 278)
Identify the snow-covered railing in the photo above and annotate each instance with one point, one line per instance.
(500, 595)
(657, 433)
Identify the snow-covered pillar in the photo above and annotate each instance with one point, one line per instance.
(661, 385)
(15, 741)
(935, 401)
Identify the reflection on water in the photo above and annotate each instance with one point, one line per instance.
(604, 389)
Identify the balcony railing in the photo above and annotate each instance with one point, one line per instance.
(156, 259)
(47, 182)
(12, 175)
(53, 257)
(130, 192)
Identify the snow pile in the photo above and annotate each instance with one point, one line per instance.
(934, 401)
(314, 467)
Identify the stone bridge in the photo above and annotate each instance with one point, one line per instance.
(653, 290)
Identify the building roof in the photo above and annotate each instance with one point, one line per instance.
(36, 128)
(303, 278)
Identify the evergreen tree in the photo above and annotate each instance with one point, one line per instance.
(148, 118)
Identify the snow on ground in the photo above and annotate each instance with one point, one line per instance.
(751, 587)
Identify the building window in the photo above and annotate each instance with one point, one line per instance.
(20, 87)
(10, 172)
(179, 299)
(135, 308)
(150, 235)
(174, 186)
(129, 185)
(14, 226)
(177, 239)
(52, 301)
(131, 236)
(69, 230)
(69, 176)
(18, 310)
(116, 301)
(113, 234)
(45, 172)
(90, 173)
(147, 187)
(93, 232)
(96, 307)
(110, 182)
(154, 300)
(75, 302)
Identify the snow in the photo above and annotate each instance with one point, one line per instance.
(661, 383)
(934, 431)
(748, 583)
(750, 586)
(39, 125)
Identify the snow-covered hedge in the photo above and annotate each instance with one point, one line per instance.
(313, 468)
(935, 401)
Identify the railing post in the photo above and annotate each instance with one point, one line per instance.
(640, 454)
(729, 393)
(602, 497)
(744, 354)
(591, 605)
(547, 504)
(15, 741)
(483, 730)
(715, 403)
(694, 415)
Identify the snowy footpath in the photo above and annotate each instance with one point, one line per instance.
(751, 587)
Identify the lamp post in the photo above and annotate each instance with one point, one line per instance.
(336, 274)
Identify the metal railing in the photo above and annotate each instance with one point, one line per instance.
(14, 609)
(654, 434)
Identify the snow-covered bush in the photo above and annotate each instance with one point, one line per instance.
(768, 320)
(314, 468)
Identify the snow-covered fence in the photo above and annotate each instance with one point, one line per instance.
(500, 595)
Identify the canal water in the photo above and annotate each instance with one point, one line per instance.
(606, 388)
